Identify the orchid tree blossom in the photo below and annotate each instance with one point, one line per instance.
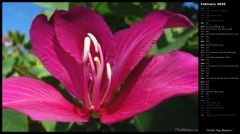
(78, 48)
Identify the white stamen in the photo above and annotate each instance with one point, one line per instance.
(86, 48)
(109, 75)
(109, 71)
(96, 59)
(94, 40)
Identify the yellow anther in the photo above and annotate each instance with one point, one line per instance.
(96, 59)
(109, 71)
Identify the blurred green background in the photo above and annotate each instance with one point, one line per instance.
(176, 113)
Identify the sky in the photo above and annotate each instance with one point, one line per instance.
(18, 16)
(191, 4)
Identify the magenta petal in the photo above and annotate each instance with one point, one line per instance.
(72, 27)
(43, 42)
(136, 41)
(76, 72)
(39, 100)
(152, 82)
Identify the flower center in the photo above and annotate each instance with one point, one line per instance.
(94, 73)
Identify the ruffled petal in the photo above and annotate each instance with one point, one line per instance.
(39, 101)
(72, 27)
(134, 43)
(43, 42)
(153, 81)
(77, 72)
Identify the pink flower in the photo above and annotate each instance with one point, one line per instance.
(78, 48)
(7, 42)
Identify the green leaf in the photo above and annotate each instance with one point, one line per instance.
(194, 98)
(143, 122)
(14, 121)
(48, 13)
(49, 126)
(159, 5)
(101, 7)
(54, 5)
(39, 71)
(30, 57)
(24, 71)
(8, 65)
(63, 127)
(129, 9)
(169, 35)
(122, 126)
(4, 51)
(170, 43)
(177, 112)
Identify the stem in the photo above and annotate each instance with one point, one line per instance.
(92, 125)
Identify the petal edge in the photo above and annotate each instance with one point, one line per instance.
(39, 100)
(153, 81)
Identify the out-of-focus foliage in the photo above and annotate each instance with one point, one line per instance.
(14, 121)
(168, 42)
(19, 60)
